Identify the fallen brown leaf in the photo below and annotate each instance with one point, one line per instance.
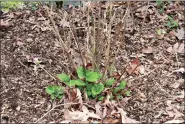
(79, 96)
(148, 50)
(181, 48)
(124, 118)
(174, 121)
(5, 23)
(132, 68)
(80, 116)
(176, 48)
(180, 33)
(98, 109)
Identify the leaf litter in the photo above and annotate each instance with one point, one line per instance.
(38, 40)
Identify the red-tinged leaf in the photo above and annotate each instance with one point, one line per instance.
(89, 65)
(116, 75)
(132, 68)
(74, 73)
(135, 61)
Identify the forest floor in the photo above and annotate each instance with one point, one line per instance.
(157, 86)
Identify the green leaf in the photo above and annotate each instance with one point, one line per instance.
(63, 77)
(119, 96)
(92, 76)
(109, 82)
(122, 85)
(5, 6)
(116, 89)
(50, 90)
(97, 89)
(128, 93)
(175, 23)
(100, 98)
(53, 96)
(170, 18)
(88, 92)
(88, 75)
(81, 72)
(89, 86)
(79, 82)
(71, 83)
(60, 96)
(55, 91)
(93, 96)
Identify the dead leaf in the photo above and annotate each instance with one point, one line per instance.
(176, 48)
(148, 50)
(79, 96)
(5, 23)
(107, 101)
(175, 121)
(181, 96)
(19, 43)
(80, 116)
(180, 70)
(135, 68)
(161, 36)
(181, 48)
(65, 121)
(41, 19)
(63, 22)
(170, 50)
(180, 33)
(98, 109)
(111, 120)
(89, 114)
(124, 118)
(104, 111)
(175, 85)
(171, 34)
(18, 13)
(132, 68)
(77, 57)
(18, 108)
(141, 69)
(45, 28)
(141, 95)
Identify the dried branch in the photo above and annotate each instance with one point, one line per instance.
(56, 31)
(122, 39)
(108, 42)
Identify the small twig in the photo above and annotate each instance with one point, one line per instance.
(76, 42)
(53, 109)
(28, 70)
(122, 73)
(47, 72)
(88, 29)
(97, 50)
(176, 56)
(94, 49)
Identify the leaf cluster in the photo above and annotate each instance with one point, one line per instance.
(89, 81)
(6, 5)
(171, 24)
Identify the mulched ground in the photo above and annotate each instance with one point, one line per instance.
(157, 94)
